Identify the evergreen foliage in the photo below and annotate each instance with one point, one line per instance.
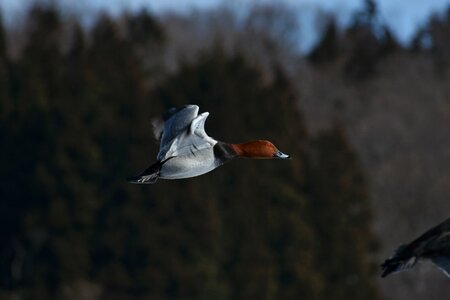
(328, 48)
(333, 166)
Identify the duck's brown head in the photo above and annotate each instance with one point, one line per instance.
(261, 149)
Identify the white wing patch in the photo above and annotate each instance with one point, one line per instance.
(198, 128)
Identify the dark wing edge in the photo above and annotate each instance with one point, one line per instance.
(399, 261)
(443, 263)
(406, 256)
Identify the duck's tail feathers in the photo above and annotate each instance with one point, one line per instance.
(398, 262)
(150, 175)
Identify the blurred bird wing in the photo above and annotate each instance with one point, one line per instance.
(191, 140)
(175, 122)
(157, 127)
(443, 263)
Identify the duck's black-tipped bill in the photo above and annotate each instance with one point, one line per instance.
(281, 155)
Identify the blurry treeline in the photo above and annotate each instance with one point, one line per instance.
(75, 120)
(395, 105)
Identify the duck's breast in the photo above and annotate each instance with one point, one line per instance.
(191, 165)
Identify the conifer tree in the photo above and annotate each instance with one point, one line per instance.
(341, 217)
(328, 47)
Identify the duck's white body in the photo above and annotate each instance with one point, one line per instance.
(189, 165)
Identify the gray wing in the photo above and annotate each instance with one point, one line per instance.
(176, 122)
(191, 140)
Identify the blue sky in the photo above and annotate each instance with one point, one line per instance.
(404, 17)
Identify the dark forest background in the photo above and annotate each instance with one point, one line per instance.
(366, 120)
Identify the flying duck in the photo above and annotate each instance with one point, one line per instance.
(187, 151)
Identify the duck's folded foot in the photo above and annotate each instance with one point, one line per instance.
(150, 175)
